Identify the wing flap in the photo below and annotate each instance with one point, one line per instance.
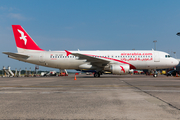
(16, 55)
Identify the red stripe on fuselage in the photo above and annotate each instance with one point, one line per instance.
(131, 66)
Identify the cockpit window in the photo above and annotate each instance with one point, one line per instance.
(167, 56)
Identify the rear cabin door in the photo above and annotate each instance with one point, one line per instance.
(41, 57)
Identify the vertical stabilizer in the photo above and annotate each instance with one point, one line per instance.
(24, 42)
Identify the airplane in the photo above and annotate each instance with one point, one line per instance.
(118, 62)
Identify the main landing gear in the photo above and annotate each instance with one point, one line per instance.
(97, 74)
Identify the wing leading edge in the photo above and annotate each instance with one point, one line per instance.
(95, 61)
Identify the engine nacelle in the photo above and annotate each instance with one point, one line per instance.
(119, 69)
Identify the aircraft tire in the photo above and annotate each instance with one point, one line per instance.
(96, 74)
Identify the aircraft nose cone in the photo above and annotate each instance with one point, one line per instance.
(176, 62)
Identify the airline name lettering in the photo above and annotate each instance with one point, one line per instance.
(136, 54)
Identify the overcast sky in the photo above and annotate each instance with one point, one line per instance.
(90, 25)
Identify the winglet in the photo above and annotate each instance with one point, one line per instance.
(67, 52)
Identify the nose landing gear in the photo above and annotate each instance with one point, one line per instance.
(155, 74)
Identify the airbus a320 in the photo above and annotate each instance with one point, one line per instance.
(118, 62)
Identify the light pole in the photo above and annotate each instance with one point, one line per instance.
(175, 54)
(178, 34)
(154, 44)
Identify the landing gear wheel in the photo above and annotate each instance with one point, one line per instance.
(96, 74)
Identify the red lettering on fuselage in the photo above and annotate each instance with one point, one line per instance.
(136, 54)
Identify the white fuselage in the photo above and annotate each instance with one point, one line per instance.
(136, 59)
(116, 62)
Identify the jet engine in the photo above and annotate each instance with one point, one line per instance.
(119, 69)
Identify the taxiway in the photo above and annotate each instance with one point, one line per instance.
(126, 97)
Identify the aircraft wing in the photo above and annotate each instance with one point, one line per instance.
(93, 60)
(16, 55)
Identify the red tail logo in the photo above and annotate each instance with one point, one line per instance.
(122, 69)
(23, 40)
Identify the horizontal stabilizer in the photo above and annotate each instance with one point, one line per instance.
(16, 55)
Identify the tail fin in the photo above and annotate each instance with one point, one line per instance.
(23, 41)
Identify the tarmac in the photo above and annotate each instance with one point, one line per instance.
(124, 97)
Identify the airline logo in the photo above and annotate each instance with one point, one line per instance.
(122, 69)
(23, 37)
